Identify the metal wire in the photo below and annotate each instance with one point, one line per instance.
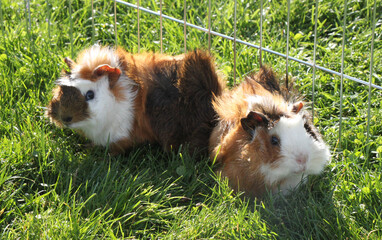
(185, 24)
(92, 22)
(209, 25)
(2, 25)
(314, 57)
(29, 19)
(371, 73)
(287, 50)
(48, 19)
(71, 29)
(3, 30)
(252, 45)
(261, 33)
(234, 46)
(161, 29)
(115, 23)
(139, 34)
(342, 72)
(29, 32)
(2, 21)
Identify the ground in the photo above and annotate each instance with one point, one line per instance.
(53, 185)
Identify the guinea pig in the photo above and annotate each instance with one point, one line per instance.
(118, 99)
(264, 140)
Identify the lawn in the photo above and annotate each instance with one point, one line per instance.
(54, 186)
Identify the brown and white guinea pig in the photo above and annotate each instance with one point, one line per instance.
(264, 141)
(117, 98)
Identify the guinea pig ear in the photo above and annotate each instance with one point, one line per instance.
(113, 73)
(297, 107)
(253, 120)
(70, 63)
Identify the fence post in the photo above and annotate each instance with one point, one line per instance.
(209, 25)
(71, 29)
(115, 23)
(93, 22)
(161, 27)
(314, 56)
(287, 50)
(342, 74)
(371, 72)
(139, 34)
(48, 19)
(28, 22)
(184, 27)
(261, 33)
(234, 46)
(2, 25)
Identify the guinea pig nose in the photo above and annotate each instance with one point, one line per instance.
(301, 159)
(67, 119)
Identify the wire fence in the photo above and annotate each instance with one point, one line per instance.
(286, 56)
(235, 40)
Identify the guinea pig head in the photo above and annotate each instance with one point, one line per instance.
(94, 96)
(76, 101)
(282, 145)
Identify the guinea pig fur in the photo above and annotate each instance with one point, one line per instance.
(122, 99)
(264, 141)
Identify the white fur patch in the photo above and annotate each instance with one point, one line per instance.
(254, 100)
(97, 52)
(295, 144)
(110, 120)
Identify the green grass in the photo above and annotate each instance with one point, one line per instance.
(53, 186)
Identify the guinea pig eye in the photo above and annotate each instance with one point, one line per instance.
(275, 141)
(89, 95)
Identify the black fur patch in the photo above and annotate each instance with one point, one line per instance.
(267, 79)
(309, 128)
(271, 110)
(179, 104)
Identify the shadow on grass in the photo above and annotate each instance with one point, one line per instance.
(142, 192)
(148, 192)
(307, 213)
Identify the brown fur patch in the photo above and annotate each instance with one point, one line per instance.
(118, 92)
(67, 106)
(87, 73)
(120, 146)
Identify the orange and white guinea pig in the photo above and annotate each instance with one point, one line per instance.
(117, 98)
(264, 141)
